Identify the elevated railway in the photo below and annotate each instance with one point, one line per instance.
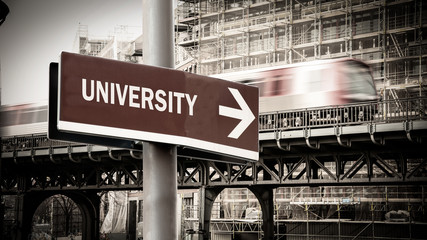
(366, 144)
(381, 142)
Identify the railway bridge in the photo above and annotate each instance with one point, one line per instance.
(376, 143)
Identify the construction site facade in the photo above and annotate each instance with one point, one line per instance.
(219, 36)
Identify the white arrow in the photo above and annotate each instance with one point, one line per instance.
(244, 114)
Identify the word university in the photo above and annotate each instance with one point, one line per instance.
(138, 97)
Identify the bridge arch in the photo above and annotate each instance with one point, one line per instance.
(264, 195)
(87, 202)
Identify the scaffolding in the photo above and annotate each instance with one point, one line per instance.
(218, 36)
(327, 212)
(122, 44)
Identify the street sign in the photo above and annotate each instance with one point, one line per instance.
(118, 100)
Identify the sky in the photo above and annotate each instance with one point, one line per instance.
(36, 31)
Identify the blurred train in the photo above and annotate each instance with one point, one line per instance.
(23, 119)
(309, 84)
(295, 86)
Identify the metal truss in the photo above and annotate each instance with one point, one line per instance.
(101, 168)
(106, 169)
(356, 168)
(235, 225)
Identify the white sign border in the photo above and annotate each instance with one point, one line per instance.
(156, 137)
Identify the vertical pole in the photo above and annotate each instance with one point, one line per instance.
(1, 171)
(160, 191)
(202, 198)
(132, 220)
(158, 33)
(159, 160)
(307, 226)
(373, 220)
(423, 202)
(410, 218)
(339, 221)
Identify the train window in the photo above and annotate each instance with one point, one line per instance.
(275, 83)
(23, 115)
(310, 79)
(314, 80)
(8, 118)
(360, 80)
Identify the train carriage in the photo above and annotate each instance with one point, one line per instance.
(309, 84)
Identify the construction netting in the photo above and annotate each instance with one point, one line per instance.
(115, 220)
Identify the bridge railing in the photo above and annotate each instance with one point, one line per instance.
(343, 115)
(32, 142)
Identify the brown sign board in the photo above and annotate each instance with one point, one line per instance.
(119, 100)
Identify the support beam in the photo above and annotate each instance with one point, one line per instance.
(207, 199)
(131, 228)
(23, 216)
(265, 198)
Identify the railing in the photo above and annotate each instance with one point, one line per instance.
(388, 111)
(33, 142)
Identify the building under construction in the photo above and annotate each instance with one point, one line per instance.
(219, 36)
(123, 44)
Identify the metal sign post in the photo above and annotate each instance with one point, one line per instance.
(159, 160)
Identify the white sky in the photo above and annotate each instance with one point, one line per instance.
(36, 31)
